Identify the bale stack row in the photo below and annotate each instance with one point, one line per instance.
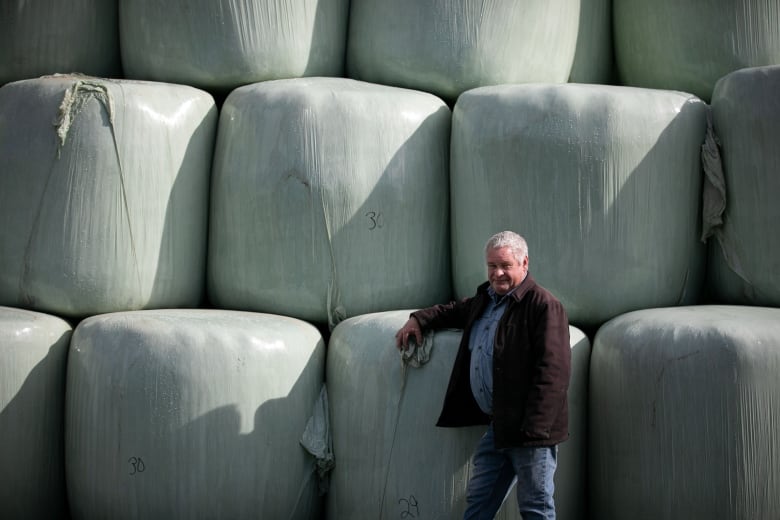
(358, 158)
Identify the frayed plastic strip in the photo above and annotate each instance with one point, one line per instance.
(714, 198)
(714, 189)
(317, 440)
(74, 100)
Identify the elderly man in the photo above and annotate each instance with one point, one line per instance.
(511, 373)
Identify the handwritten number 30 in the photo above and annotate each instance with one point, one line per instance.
(376, 220)
(137, 464)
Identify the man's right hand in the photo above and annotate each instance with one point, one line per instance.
(410, 328)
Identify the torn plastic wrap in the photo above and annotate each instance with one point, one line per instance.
(447, 47)
(392, 461)
(103, 194)
(192, 414)
(744, 255)
(329, 200)
(595, 177)
(317, 440)
(33, 353)
(689, 46)
(49, 36)
(222, 44)
(416, 355)
(685, 404)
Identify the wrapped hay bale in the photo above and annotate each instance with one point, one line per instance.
(593, 58)
(33, 353)
(103, 194)
(688, 46)
(741, 194)
(683, 415)
(48, 36)
(191, 414)
(449, 47)
(222, 44)
(329, 199)
(597, 179)
(571, 477)
(391, 459)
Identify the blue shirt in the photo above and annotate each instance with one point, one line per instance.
(483, 334)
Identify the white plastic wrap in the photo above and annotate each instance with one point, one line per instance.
(222, 44)
(48, 36)
(330, 199)
(103, 194)
(446, 47)
(33, 353)
(391, 459)
(192, 414)
(744, 265)
(684, 414)
(672, 44)
(604, 182)
(571, 477)
(593, 59)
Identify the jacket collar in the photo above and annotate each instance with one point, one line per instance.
(526, 285)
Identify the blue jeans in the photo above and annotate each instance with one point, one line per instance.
(492, 475)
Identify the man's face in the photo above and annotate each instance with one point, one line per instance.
(504, 271)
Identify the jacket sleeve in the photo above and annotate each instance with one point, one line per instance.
(551, 373)
(452, 315)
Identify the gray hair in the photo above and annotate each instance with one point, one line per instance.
(510, 239)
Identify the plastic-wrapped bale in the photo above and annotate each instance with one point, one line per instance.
(596, 178)
(191, 414)
(688, 46)
(571, 477)
(330, 199)
(742, 190)
(222, 44)
(391, 459)
(449, 47)
(49, 36)
(106, 209)
(684, 408)
(593, 58)
(33, 353)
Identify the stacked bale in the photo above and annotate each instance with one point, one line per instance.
(106, 209)
(33, 353)
(48, 36)
(391, 459)
(744, 261)
(684, 412)
(571, 476)
(447, 47)
(593, 58)
(329, 199)
(191, 414)
(688, 46)
(604, 182)
(220, 45)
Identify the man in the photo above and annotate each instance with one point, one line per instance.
(512, 373)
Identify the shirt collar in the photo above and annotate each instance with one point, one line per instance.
(497, 298)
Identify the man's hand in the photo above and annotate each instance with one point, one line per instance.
(411, 327)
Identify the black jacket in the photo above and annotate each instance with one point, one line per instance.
(531, 366)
